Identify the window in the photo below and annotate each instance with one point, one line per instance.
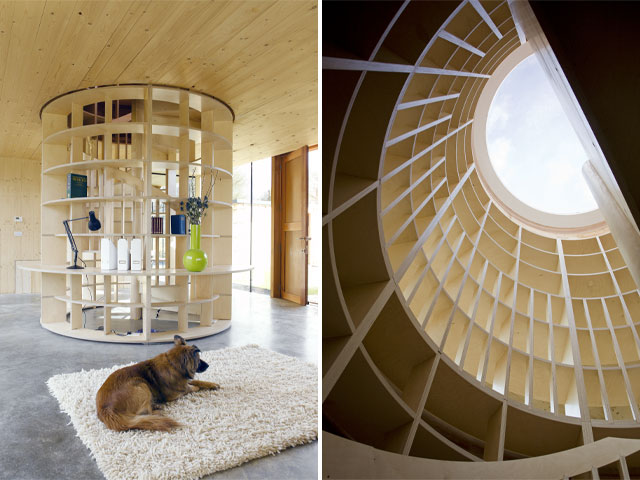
(315, 226)
(252, 224)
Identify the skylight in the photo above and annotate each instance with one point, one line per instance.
(532, 146)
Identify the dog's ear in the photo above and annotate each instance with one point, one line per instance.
(178, 340)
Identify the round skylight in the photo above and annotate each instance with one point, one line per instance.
(532, 146)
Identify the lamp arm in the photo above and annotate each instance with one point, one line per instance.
(74, 219)
(74, 248)
(94, 224)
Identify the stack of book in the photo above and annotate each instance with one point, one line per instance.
(157, 225)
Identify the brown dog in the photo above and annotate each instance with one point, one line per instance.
(130, 397)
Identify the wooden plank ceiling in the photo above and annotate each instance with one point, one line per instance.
(260, 57)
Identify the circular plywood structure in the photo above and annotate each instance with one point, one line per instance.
(115, 138)
(453, 329)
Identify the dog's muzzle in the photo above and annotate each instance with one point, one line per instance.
(202, 366)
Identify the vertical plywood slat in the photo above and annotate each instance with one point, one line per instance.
(52, 310)
(107, 300)
(210, 181)
(222, 220)
(146, 216)
(76, 308)
(181, 242)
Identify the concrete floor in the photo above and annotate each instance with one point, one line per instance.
(36, 440)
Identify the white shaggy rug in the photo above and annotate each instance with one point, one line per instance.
(267, 402)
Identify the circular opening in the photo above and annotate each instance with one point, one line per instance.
(532, 146)
(533, 173)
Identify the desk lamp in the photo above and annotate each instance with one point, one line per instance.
(94, 224)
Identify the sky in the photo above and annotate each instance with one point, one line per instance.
(532, 146)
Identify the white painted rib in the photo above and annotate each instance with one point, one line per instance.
(485, 16)
(348, 203)
(461, 43)
(423, 152)
(517, 20)
(416, 211)
(412, 186)
(444, 71)
(423, 237)
(333, 63)
(416, 131)
(417, 103)
(425, 270)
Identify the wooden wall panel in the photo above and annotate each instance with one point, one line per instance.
(19, 196)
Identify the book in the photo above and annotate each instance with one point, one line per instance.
(157, 224)
(76, 185)
(178, 224)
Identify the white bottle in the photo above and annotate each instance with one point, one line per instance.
(172, 183)
(136, 254)
(123, 254)
(108, 255)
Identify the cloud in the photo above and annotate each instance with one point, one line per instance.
(532, 146)
(499, 151)
(562, 173)
(498, 118)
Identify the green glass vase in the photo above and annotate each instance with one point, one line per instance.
(194, 259)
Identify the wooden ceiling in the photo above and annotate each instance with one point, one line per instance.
(260, 57)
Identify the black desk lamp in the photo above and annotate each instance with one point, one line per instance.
(94, 224)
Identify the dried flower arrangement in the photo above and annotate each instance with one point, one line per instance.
(195, 207)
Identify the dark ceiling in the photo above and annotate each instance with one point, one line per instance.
(597, 43)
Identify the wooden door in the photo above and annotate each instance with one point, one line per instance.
(290, 226)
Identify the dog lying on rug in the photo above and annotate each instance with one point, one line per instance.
(130, 397)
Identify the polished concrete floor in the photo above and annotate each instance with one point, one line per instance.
(36, 440)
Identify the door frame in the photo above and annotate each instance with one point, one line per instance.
(277, 244)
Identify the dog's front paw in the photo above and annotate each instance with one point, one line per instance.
(201, 385)
(208, 386)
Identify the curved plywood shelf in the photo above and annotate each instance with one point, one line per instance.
(63, 137)
(198, 101)
(132, 198)
(191, 301)
(195, 134)
(92, 165)
(87, 165)
(62, 104)
(93, 303)
(63, 328)
(447, 313)
(198, 166)
(173, 272)
(372, 463)
(156, 235)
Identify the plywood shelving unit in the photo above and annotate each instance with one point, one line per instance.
(451, 330)
(120, 137)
